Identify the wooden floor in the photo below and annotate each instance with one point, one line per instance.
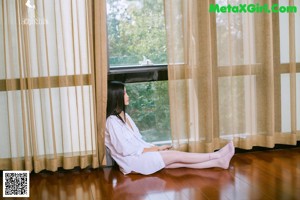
(271, 174)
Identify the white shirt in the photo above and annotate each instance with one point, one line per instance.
(126, 147)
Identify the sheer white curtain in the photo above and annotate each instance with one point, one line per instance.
(227, 80)
(47, 85)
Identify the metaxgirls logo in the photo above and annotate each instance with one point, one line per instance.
(33, 18)
(252, 8)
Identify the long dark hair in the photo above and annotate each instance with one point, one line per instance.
(115, 99)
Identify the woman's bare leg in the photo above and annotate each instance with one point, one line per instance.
(179, 158)
(220, 162)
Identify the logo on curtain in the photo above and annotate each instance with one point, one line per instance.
(28, 4)
(33, 18)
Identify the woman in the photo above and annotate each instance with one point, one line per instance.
(133, 154)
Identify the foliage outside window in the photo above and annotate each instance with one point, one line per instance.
(136, 32)
(149, 107)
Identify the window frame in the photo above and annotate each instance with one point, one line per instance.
(135, 74)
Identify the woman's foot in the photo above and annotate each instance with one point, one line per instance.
(225, 160)
(226, 149)
(223, 151)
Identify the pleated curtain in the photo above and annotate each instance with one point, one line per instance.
(232, 76)
(52, 108)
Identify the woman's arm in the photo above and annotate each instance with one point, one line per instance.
(151, 149)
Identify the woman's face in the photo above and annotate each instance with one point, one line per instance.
(126, 98)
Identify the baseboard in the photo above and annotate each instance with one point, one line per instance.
(258, 148)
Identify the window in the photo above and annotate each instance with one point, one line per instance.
(284, 76)
(149, 106)
(136, 33)
(284, 34)
(236, 33)
(138, 57)
(235, 51)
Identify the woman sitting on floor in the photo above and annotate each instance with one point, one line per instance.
(133, 154)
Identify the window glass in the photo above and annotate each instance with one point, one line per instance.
(232, 104)
(284, 33)
(136, 32)
(235, 36)
(149, 109)
(298, 100)
(286, 102)
(229, 36)
(297, 31)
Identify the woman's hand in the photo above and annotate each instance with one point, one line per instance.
(157, 148)
(164, 147)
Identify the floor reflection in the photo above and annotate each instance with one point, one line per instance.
(169, 183)
(72, 184)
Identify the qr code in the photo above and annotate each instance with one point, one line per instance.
(15, 183)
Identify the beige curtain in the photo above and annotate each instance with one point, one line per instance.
(232, 76)
(49, 115)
